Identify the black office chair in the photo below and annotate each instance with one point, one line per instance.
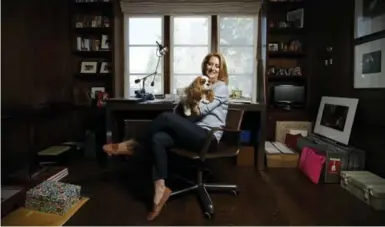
(229, 146)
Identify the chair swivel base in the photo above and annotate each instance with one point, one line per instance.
(202, 190)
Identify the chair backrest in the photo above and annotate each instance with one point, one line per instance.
(234, 119)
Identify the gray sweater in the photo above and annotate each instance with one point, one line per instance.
(214, 113)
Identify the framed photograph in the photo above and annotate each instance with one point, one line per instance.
(369, 17)
(89, 67)
(369, 64)
(95, 90)
(295, 18)
(273, 47)
(236, 94)
(104, 67)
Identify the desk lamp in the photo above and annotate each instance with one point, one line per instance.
(141, 93)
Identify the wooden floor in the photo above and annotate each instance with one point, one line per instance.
(273, 197)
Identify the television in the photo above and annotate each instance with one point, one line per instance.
(288, 95)
(335, 118)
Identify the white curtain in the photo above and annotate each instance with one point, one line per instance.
(175, 7)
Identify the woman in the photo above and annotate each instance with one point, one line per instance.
(169, 130)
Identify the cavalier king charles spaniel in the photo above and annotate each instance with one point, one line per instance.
(198, 91)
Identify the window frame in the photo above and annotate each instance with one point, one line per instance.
(254, 45)
(126, 41)
(171, 62)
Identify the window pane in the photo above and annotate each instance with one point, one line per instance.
(156, 89)
(191, 30)
(143, 60)
(239, 59)
(236, 30)
(189, 59)
(144, 31)
(242, 82)
(182, 81)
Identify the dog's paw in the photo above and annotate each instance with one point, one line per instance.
(187, 112)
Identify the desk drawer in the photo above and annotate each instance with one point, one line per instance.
(135, 128)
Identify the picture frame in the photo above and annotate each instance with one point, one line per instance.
(236, 94)
(95, 90)
(369, 17)
(369, 64)
(89, 67)
(104, 67)
(295, 18)
(273, 47)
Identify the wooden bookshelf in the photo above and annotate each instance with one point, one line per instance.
(92, 26)
(286, 50)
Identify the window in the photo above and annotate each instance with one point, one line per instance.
(190, 43)
(141, 34)
(237, 42)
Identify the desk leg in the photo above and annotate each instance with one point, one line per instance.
(261, 145)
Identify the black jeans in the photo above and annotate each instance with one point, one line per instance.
(169, 130)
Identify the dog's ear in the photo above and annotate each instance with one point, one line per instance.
(210, 95)
(196, 93)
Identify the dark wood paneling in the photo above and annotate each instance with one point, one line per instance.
(35, 52)
(336, 31)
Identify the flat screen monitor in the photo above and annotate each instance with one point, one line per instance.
(289, 94)
(335, 118)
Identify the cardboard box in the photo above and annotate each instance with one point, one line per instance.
(283, 127)
(52, 197)
(282, 160)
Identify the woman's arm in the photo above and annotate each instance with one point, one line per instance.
(221, 93)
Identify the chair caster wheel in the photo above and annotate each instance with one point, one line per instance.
(235, 192)
(208, 215)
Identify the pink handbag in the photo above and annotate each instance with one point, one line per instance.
(311, 164)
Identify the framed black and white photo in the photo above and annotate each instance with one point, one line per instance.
(104, 67)
(295, 18)
(89, 67)
(369, 64)
(369, 17)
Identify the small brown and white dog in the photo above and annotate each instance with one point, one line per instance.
(198, 91)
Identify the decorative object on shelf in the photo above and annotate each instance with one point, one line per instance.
(283, 24)
(104, 68)
(236, 94)
(271, 70)
(105, 43)
(296, 18)
(89, 67)
(295, 45)
(273, 47)
(369, 64)
(369, 17)
(94, 90)
(101, 98)
(274, 71)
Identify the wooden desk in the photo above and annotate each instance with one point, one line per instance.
(118, 108)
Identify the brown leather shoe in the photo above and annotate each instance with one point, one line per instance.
(158, 207)
(123, 148)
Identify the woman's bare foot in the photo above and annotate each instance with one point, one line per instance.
(162, 193)
(123, 148)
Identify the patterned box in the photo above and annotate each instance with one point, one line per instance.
(52, 197)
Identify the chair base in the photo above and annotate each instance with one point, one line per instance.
(202, 190)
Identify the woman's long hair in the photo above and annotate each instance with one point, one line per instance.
(222, 75)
